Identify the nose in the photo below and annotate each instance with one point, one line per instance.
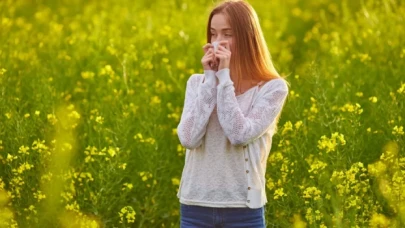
(219, 38)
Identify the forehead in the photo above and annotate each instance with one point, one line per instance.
(220, 22)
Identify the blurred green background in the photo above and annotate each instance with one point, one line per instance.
(92, 93)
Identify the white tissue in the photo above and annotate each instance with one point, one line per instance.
(215, 45)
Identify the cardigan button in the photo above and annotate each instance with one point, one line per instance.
(244, 147)
(248, 201)
(246, 159)
(247, 171)
(248, 188)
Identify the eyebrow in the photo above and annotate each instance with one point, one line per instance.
(224, 29)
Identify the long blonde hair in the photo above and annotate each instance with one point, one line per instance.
(250, 55)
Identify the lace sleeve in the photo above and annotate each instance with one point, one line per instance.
(241, 129)
(199, 103)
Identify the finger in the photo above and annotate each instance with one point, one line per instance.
(220, 56)
(209, 57)
(224, 43)
(222, 53)
(222, 48)
(225, 51)
(219, 52)
(206, 47)
(209, 53)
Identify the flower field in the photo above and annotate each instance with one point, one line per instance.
(91, 93)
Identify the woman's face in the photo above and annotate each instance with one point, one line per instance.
(221, 30)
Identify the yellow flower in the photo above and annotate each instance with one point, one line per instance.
(74, 114)
(73, 207)
(123, 166)
(107, 70)
(174, 116)
(298, 124)
(127, 213)
(180, 150)
(175, 181)
(138, 136)
(23, 167)
(318, 216)
(67, 196)
(287, 127)
(378, 168)
(23, 150)
(38, 195)
(352, 108)
(2, 71)
(100, 119)
(297, 222)
(113, 151)
(402, 88)
(147, 64)
(39, 145)
(373, 99)
(174, 131)
(150, 140)
(31, 208)
(71, 107)
(379, 220)
(330, 144)
(145, 175)
(84, 176)
(308, 215)
(279, 193)
(52, 118)
(364, 57)
(128, 186)
(398, 130)
(312, 192)
(180, 64)
(155, 100)
(87, 75)
(317, 166)
(27, 115)
(37, 113)
(293, 94)
(10, 157)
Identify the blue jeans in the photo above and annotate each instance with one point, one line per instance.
(192, 216)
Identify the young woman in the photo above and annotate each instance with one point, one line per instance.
(229, 117)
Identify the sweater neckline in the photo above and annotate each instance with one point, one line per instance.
(248, 91)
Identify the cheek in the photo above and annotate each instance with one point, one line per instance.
(231, 45)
